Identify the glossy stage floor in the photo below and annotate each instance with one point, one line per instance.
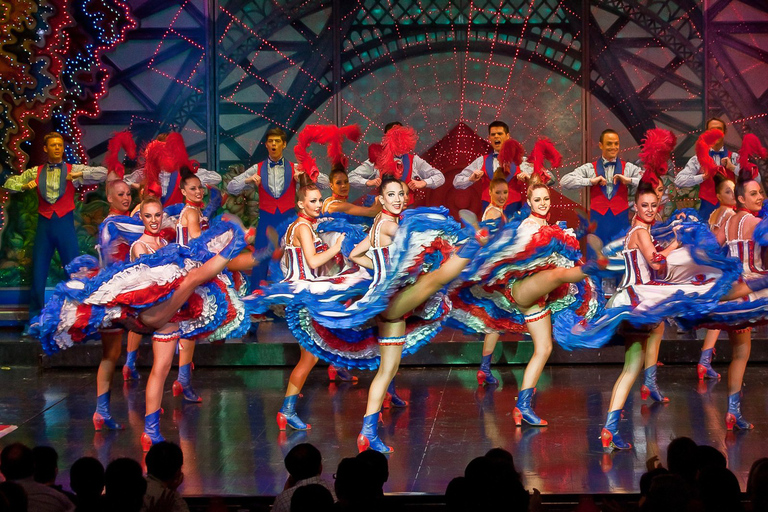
(232, 445)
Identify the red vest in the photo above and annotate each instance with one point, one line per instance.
(66, 201)
(287, 199)
(707, 189)
(601, 203)
(516, 187)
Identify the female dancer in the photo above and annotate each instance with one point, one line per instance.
(340, 192)
(303, 263)
(725, 190)
(499, 192)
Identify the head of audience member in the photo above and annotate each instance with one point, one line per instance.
(719, 490)
(609, 144)
(376, 469)
(151, 214)
(303, 461)
(757, 485)
(339, 180)
(715, 123)
(276, 142)
(46, 464)
(309, 199)
(53, 146)
(391, 125)
(86, 478)
(707, 456)
(119, 196)
(667, 493)
(190, 185)
(391, 194)
(725, 190)
(646, 202)
(457, 495)
(164, 461)
(499, 189)
(349, 482)
(682, 458)
(13, 497)
(749, 192)
(124, 485)
(645, 482)
(494, 483)
(498, 133)
(17, 462)
(311, 498)
(539, 200)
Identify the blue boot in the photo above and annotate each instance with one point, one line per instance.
(342, 374)
(650, 388)
(129, 368)
(288, 417)
(393, 399)
(610, 435)
(183, 385)
(151, 433)
(369, 437)
(484, 376)
(102, 418)
(524, 411)
(704, 368)
(734, 419)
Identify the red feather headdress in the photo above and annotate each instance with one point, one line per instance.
(657, 149)
(157, 158)
(121, 140)
(399, 140)
(751, 147)
(543, 150)
(511, 153)
(177, 150)
(329, 135)
(706, 161)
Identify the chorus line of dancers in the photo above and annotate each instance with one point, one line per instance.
(361, 286)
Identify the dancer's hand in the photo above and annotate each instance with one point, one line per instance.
(598, 180)
(337, 244)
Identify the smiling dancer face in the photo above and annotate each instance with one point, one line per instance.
(192, 189)
(151, 215)
(539, 200)
(119, 196)
(310, 201)
(647, 204)
(392, 197)
(499, 193)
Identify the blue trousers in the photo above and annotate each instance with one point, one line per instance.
(609, 226)
(706, 209)
(56, 233)
(509, 210)
(259, 272)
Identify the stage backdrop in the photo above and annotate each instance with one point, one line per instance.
(223, 71)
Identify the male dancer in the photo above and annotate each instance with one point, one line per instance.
(691, 174)
(418, 174)
(610, 181)
(55, 182)
(482, 168)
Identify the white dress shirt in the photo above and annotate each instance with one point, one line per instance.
(581, 176)
(420, 169)
(691, 175)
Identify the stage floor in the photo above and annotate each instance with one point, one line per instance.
(232, 445)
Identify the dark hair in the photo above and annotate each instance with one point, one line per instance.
(387, 179)
(276, 132)
(681, 458)
(720, 182)
(742, 179)
(186, 174)
(16, 461)
(52, 135)
(643, 188)
(335, 170)
(376, 470)
(349, 480)
(391, 125)
(498, 124)
(719, 490)
(13, 497)
(46, 464)
(303, 461)
(164, 461)
(757, 485)
(725, 126)
(86, 477)
(125, 485)
(606, 132)
(311, 498)
(709, 456)
(647, 478)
